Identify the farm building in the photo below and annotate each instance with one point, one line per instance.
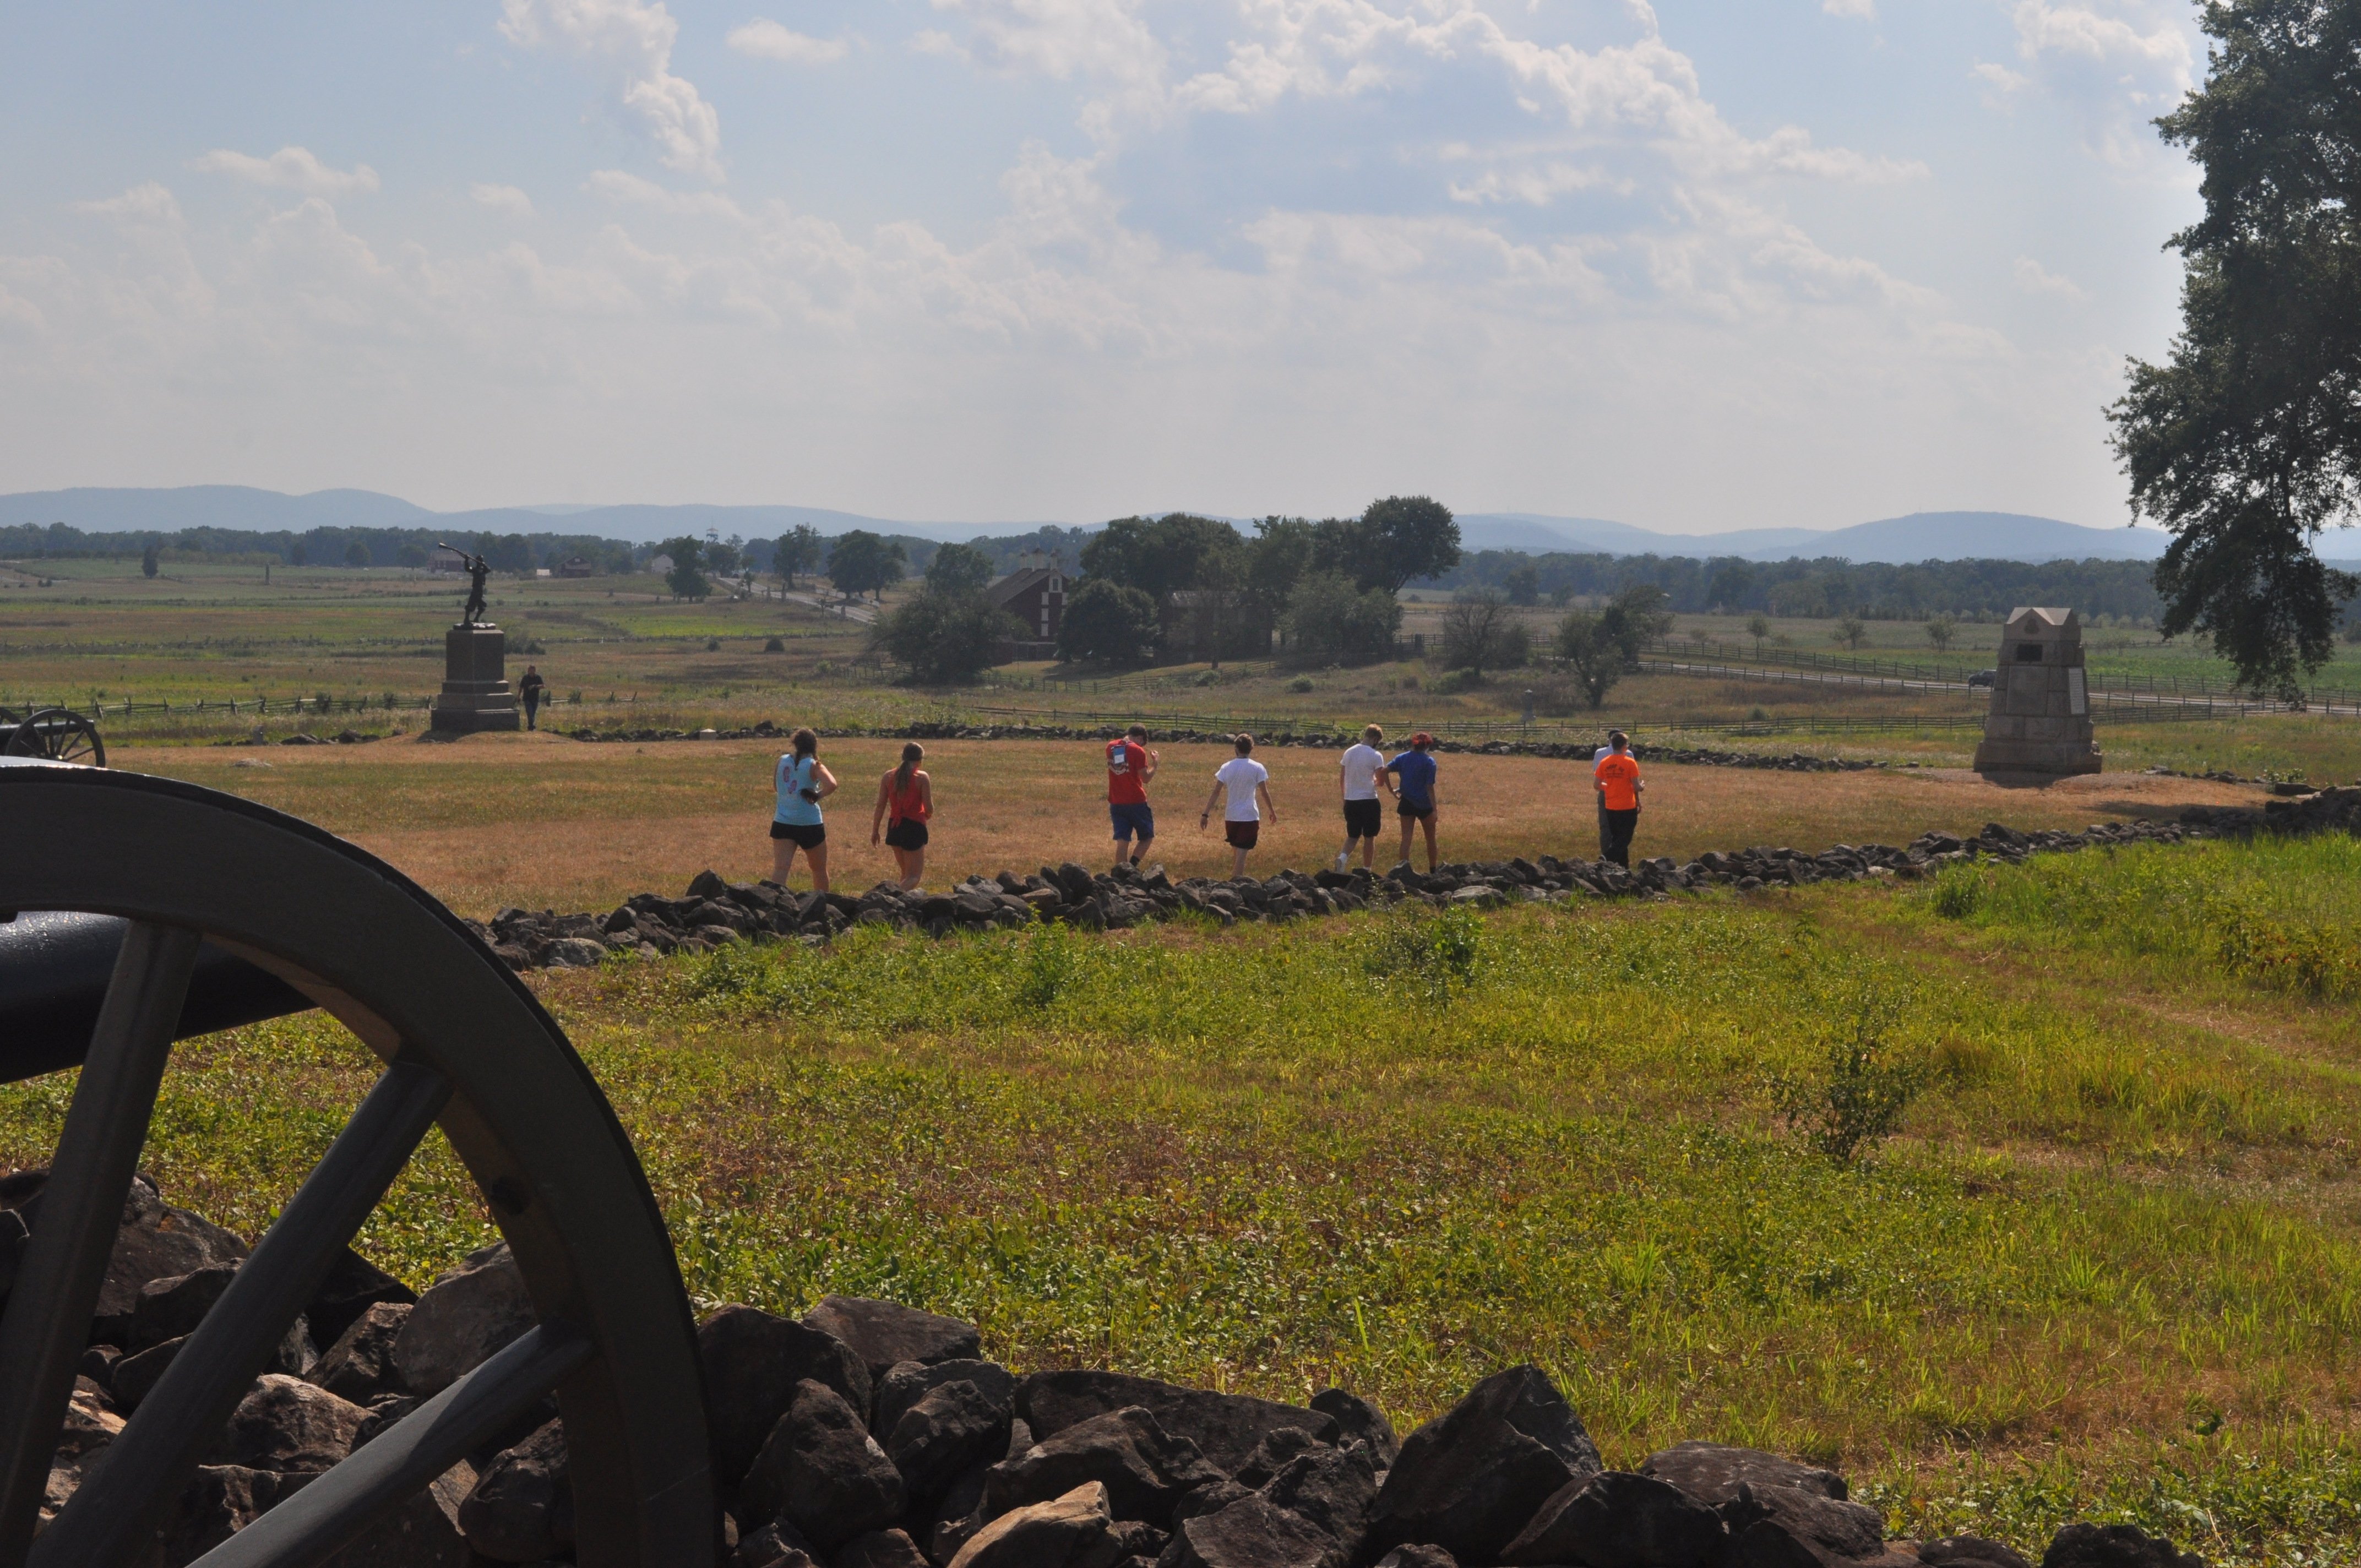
(575, 566)
(448, 560)
(1035, 594)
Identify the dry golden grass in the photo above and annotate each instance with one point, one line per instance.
(539, 821)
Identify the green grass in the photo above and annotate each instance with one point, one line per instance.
(2109, 1266)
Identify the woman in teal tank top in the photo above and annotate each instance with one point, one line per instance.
(803, 782)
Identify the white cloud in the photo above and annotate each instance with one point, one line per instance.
(1999, 77)
(634, 42)
(767, 39)
(617, 185)
(1865, 9)
(2042, 28)
(501, 199)
(150, 204)
(2036, 278)
(289, 169)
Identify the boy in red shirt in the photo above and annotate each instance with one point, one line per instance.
(1616, 777)
(1130, 764)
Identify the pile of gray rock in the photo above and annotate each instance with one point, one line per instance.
(714, 912)
(868, 1434)
(1323, 740)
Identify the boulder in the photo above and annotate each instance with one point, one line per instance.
(1210, 1498)
(1358, 1417)
(774, 1546)
(171, 1308)
(286, 1424)
(218, 1501)
(1968, 1551)
(1471, 1479)
(465, 1317)
(1712, 1472)
(2115, 1546)
(879, 1548)
(1786, 1527)
(1330, 1488)
(1271, 1455)
(885, 1332)
(574, 952)
(522, 1508)
(135, 1375)
(359, 1366)
(958, 1516)
(423, 1532)
(354, 1285)
(1251, 1533)
(1072, 1530)
(153, 1240)
(821, 1472)
(1143, 1468)
(1617, 1519)
(1418, 1557)
(1226, 1428)
(752, 1362)
(907, 1382)
(952, 1428)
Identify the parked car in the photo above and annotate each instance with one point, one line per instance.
(1983, 677)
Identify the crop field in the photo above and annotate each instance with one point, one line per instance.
(542, 822)
(2108, 1263)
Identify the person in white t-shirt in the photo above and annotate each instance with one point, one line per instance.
(1358, 773)
(1248, 782)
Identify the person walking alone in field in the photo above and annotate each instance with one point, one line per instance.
(803, 782)
(1248, 782)
(906, 803)
(1617, 778)
(1411, 777)
(1356, 777)
(1130, 764)
(529, 689)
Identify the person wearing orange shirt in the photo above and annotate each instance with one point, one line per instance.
(1616, 777)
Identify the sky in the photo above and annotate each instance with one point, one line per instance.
(1705, 265)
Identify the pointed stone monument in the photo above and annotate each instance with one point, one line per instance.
(2041, 717)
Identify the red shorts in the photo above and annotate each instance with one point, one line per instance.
(1241, 834)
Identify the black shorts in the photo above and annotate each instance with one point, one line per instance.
(907, 834)
(1364, 817)
(801, 835)
(1417, 811)
(1242, 835)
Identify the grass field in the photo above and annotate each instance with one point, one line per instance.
(2110, 1266)
(542, 822)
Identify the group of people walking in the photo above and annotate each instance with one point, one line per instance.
(905, 801)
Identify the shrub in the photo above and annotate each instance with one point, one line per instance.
(1330, 620)
(1433, 953)
(1857, 1099)
(1959, 890)
(1451, 681)
(775, 645)
(1207, 678)
(1300, 685)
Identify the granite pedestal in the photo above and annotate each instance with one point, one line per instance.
(476, 693)
(2041, 717)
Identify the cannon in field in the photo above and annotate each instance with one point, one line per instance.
(135, 912)
(58, 734)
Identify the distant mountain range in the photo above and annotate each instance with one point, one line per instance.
(1921, 536)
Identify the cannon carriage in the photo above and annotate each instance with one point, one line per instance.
(136, 912)
(55, 734)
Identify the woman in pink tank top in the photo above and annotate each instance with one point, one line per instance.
(906, 800)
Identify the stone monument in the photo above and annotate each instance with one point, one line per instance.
(476, 693)
(2041, 717)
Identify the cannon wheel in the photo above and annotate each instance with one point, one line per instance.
(60, 735)
(465, 1046)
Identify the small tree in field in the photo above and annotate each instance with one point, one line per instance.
(687, 577)
(958, 569)
(1758, 627)
(1480, 633)
(866, 562)
(147, 562)
(1941, 630)
(797, 550)
(1109, 623)
(1851, 632)
(1593, 654)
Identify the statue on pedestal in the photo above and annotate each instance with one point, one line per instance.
(477, 570)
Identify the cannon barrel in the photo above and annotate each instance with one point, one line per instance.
(54, 974)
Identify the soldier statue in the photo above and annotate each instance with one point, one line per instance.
(477, 570)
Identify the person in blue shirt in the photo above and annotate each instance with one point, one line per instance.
(1411, 778)
(803, 782)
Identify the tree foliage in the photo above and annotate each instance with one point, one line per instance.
(1107, 623)
(1331, 620)
(1399, 538)
(797, 550)
(1593, 656)
(2246, 442)
(864, 563)
(945, 636)
(149, 561)
(958, 569)
(1481, 632)
(687, 577)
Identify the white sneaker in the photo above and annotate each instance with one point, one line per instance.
(1343, 861)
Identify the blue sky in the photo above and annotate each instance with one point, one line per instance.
(1702, 266)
